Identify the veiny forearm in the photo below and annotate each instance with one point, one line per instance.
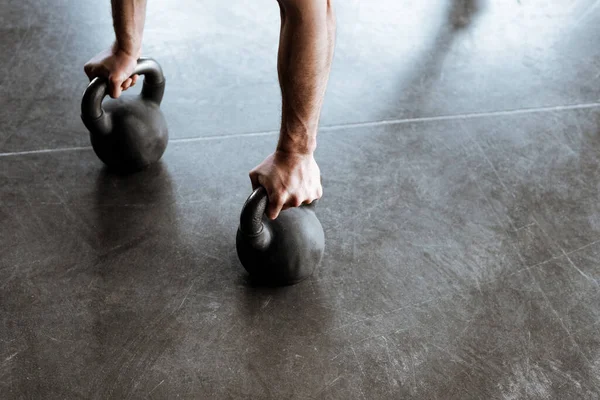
(129, 17)
(304, 62)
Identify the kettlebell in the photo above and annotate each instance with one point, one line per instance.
(283, 251)
(130, 132)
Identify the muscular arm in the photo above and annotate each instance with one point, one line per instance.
(291, 175)
(129, 17)
(304, 61)
(118, 62)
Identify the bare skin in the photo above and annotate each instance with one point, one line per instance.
(290, 174)
(118, 62)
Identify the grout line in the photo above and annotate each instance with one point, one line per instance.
(42, 151)
(582, 106)
(336, 127)
(217, 137)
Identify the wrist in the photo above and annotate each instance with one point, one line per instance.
(297, 144)
(295, 150)
(127, 47)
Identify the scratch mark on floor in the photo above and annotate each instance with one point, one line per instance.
(155, 387)
(566, 255)
(10, 357)
(185, 297)
(337, 355)
(391, 362)
(328, 385)
(358, 361)
(413, 373)
(55, 339)
(583, 247)
(589, 278)
(524, 227)
(487, 159)
(560, 320)
(92, 282)
(266, 303)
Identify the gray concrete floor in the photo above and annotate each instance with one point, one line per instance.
(460, 152)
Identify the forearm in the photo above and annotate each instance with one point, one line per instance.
(128, 18)
(304, 62)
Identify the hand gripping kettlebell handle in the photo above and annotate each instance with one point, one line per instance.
(252, 213)
(153, 89)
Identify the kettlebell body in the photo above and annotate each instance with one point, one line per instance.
(128, 133)
(284, 251)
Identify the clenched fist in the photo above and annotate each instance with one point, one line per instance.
(290, 179)
(117, 66)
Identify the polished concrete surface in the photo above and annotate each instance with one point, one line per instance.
(460, 152)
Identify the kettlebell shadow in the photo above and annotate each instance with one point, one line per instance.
(130, 207)
(284, 318)
(136, 222)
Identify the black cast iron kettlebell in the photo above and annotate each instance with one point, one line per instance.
(128, 133)
(283, 251)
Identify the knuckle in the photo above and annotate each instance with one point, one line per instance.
(295, 201)
(278, 200)
(114, 79)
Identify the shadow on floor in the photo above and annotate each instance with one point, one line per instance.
(428, 69)
(134, 297)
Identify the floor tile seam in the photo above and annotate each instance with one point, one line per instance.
(335, 127)
(460, 116)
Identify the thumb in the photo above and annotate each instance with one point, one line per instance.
(89, 70)
(254, 179)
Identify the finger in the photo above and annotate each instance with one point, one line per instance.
(276, 203)
(292, 201)
(314, 198)
(320, 192)
(134, 79)
(126, 84)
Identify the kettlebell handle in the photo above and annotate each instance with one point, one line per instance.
(152, 89)
(252, 213)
